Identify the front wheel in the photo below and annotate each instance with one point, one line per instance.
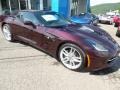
(72, 57)
(7, 32)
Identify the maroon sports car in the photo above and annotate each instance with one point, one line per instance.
(77, 47)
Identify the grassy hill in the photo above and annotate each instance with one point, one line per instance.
(103, 8)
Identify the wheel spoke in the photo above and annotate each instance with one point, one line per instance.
(72, 50)
(65, 60)
(73, 63)
(65, 53)
(76, 60)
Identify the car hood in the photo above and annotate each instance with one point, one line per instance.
(94, 33)
(89, 31)
(81, 20)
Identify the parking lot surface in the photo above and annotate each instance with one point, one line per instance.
(23, 67)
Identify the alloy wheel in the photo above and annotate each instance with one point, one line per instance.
(6, 32)
(71, 57)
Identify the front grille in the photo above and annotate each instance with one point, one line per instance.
(113, 59)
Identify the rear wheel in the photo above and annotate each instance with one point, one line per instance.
(118, 33)
(72, 57)
(7, 32)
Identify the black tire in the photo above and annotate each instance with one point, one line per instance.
(82, 54)
(11, 39)
(118, 33)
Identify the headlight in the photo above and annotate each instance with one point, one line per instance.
(97, 45)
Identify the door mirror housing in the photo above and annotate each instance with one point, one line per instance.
(30, 24)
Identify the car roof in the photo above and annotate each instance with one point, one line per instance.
(41, 11)
(32, 11)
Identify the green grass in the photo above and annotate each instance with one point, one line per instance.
(103, 8)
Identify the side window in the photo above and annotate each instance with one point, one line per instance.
(26, 16)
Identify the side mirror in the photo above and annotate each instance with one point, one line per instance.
(30, 24)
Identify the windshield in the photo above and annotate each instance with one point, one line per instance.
(52, 19)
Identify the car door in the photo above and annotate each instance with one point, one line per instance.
(37, 36)
(43, 37)
(49, 39)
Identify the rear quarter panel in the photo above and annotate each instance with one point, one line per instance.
(2, 18)
(6, 19)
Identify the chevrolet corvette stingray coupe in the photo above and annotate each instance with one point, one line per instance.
(77, 47)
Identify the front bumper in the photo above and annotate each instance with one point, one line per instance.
(99, 62)
(102, 64)
(111, 61)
